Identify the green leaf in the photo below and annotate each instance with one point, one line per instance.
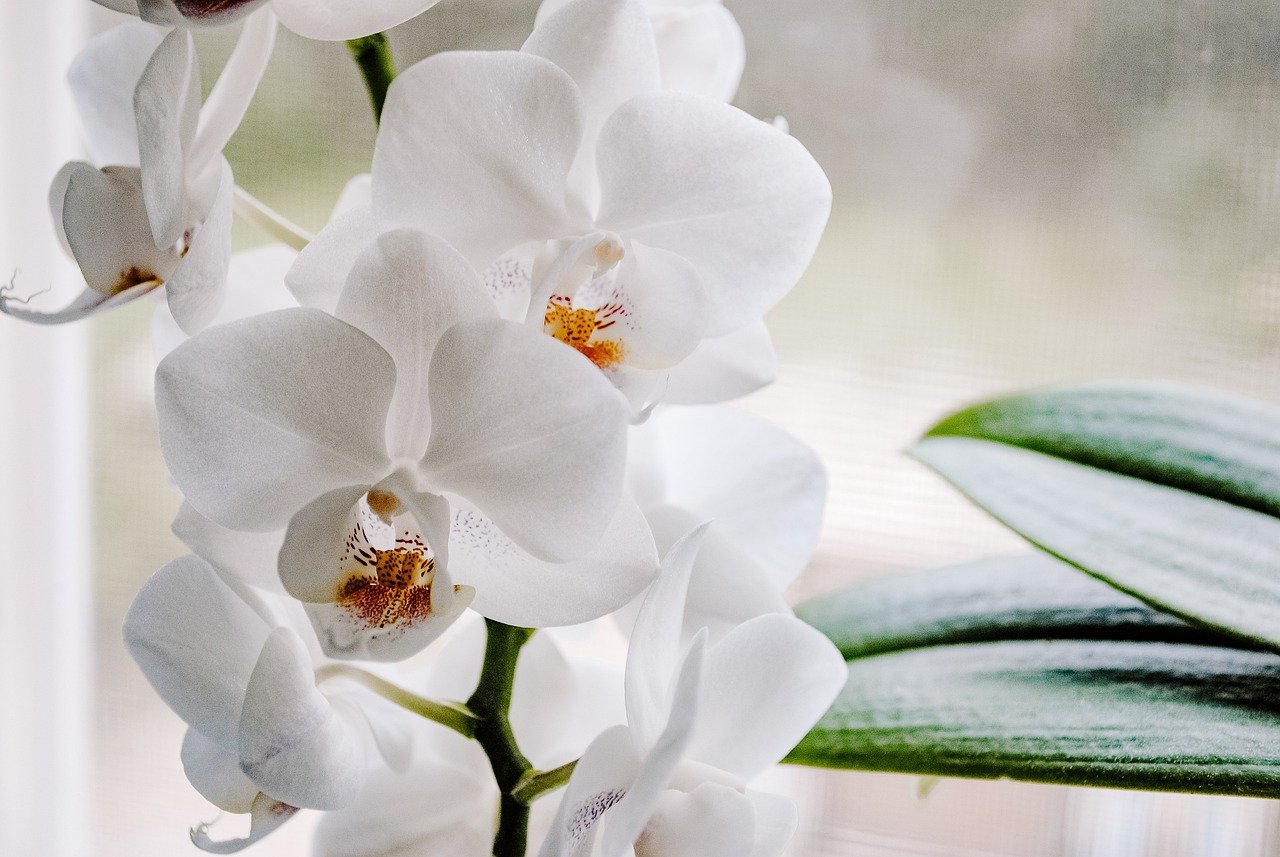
(1168, 493)
(1155, 716)
(1030, 597)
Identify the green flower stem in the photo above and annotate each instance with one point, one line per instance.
(451, 714)
(537, 783)
(373, 55)
(491, 703)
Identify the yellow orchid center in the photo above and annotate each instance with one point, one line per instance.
(582, 329)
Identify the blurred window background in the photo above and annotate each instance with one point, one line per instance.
(1026, 192)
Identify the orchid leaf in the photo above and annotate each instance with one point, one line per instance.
(1032, 597)
(1169, 493)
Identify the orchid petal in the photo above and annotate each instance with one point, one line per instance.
(105, 222)
(776, 822)
(469, 136)
(198, 288)
(702, 51)
(766, 683)
(87, 303)
(724, 368)
(293, 742)
(655, 641)
(251, 557)
(259, 416)
(167, 104)
(215, 772)
(388, 818)
(356, 193)
(321, 271)
(601, 778)
(196, 642)
(636, 807)
(320, 536)
(529, 432)
(514, 588)
(255, 285)
(229, 99)
(267, 814)
(665, 307)
(764, 488)
(103, 79)
(607, 47)
(740, 200)
(404, 291)
(337, 20)
(713, 820)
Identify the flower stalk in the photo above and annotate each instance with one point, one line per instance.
(491, 702)
(451, 714)
(373, 55)
(537, 783)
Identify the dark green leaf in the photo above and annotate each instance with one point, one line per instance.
(1167, 493)
(1006, 598)
(1119, 714)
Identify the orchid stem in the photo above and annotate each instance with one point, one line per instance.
(491, 702)
(373, 55)
(451, 714)
(253, 210)
(537, 783)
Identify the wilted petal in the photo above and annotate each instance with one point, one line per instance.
(87, 303)
(293, 742)
(607, 47)
(255, 284)
(527, 431)
(405, 290)
(739, 199)
(765, 685)
(197, 643)
(103, 79)
(713, 820)
(215, 772)
(198, 287)
(475, 147)
(764, 489)
(335, 20)
(259, 416)
(166, 104)
(105, 222)
(514, 588)
(724, 368)
(701, 49)
(268, 814)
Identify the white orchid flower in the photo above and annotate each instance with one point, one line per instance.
(700, 45)
(446, 803)
(158, 213)
(762, 490)
(700, 726)
(314, 19)
(411, 440)
(240, 667)
(630, 223)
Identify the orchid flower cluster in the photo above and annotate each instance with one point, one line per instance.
(488, 388)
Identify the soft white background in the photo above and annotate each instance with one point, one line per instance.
(1027, 192)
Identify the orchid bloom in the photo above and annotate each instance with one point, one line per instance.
(158, 213)
(629, 223)
(558, 704)
(410, 438)
(763, 490)
(313, 19)
(700, 726)
(700, 45)
(240, 667)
